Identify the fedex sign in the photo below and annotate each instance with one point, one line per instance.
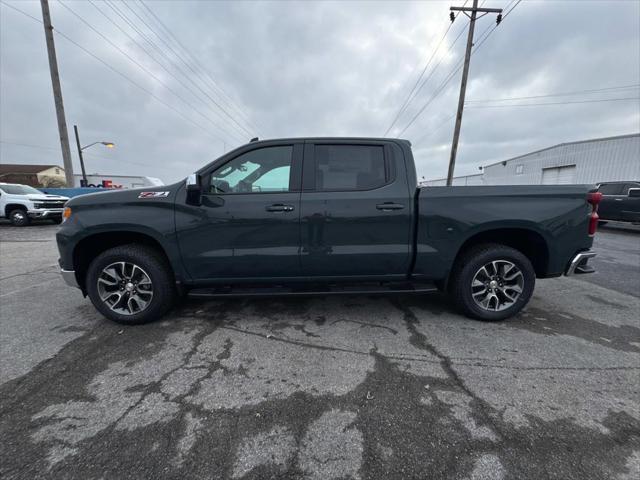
(103, 184)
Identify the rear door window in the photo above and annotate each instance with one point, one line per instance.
(349, 167)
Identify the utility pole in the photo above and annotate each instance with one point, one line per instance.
(57, 93)
(84, 182)
(465, 74)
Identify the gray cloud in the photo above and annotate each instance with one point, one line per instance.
(317, 68)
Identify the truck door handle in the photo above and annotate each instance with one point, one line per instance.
(618, 199)
(279, 207)
(388, 206)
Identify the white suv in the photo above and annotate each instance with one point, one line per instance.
(21, 203)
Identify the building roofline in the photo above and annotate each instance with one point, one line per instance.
(615, 137)
(109, 175)
(459, 176)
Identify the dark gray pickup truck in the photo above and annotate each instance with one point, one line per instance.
(322, 215)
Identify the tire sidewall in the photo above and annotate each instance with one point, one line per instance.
(470, 268)
(161, 279)
(22, 222)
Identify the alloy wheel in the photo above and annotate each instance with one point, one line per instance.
(497, 285)
(125, 288)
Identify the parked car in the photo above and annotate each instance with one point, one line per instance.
(325, 215)
(620, 201)
(22, 203)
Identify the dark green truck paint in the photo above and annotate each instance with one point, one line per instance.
(328, 236)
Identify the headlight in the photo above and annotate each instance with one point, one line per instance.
(38, 205)
(66, 213)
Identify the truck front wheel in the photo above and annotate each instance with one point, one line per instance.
(492, 282)
(19, 217)
(131, 284)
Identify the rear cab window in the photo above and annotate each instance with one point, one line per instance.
(611, 188)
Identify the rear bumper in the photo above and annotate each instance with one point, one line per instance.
(578, 264)
(69, 277)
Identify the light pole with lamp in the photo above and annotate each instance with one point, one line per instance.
(83, 182)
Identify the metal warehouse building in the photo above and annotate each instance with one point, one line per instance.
(587, 161)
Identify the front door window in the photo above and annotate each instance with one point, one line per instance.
(265, 170)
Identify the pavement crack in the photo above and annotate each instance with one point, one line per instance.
(34, 272)
(419, 340)
(271, 337)
(367, 324)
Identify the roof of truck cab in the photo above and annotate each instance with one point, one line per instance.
(325, 139)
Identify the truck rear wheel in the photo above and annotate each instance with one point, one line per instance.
(19, 217)
(492, 282)
(131, 284)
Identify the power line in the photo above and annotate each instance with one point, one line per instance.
(144, 49)
(152, 30)
(555, 103)
(22, 12)
(42, 147)
(150, 55)
(452, 74)
(147, 71)
(565, 94)
(113, 69)
(409, 97)
(204, 73)
(434, 130)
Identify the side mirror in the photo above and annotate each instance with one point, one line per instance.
(634, 192)
(194, 189)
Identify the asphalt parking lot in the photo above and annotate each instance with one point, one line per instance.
(320, 388)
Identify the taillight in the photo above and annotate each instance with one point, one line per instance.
(593, 199)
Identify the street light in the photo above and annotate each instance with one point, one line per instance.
(84, 182)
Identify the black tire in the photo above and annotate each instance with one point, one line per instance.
(153, 264)
(471, 262)
(19, 217)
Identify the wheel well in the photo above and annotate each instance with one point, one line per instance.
(90, 247)
(529, 242)
(13, 206)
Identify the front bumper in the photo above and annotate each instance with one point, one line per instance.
(69, 277)
(45, 213)
(578, 264)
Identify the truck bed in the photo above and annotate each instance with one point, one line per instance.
(447, 217)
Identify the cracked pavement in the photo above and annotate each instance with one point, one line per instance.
(361, 387)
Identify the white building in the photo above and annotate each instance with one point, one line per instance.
(587, 161)
(117, 181)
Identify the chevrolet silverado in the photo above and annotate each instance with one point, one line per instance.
(322, 215)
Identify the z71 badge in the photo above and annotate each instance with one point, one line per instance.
(153, 194)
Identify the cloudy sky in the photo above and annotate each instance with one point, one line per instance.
(276, 69)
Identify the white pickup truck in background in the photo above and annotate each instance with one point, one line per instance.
(22, 203)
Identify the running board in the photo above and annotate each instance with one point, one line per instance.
(226, 292)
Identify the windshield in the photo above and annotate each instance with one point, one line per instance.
(19, 189)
